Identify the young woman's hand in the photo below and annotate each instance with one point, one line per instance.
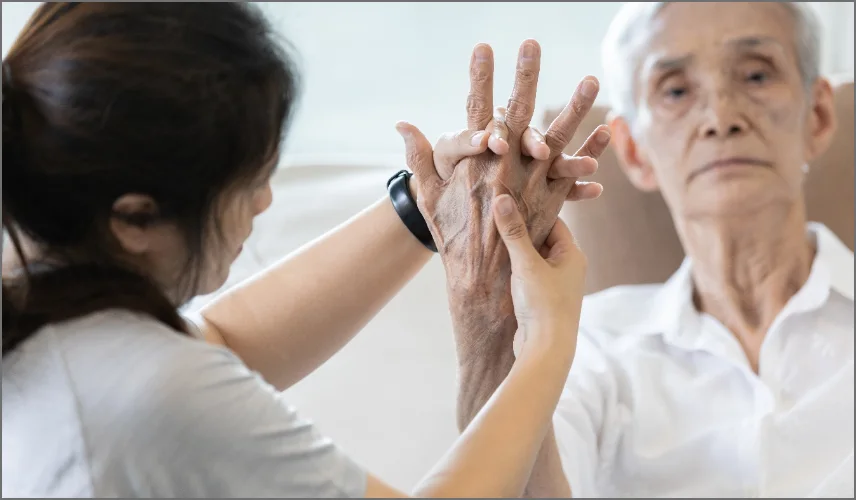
(546, 286)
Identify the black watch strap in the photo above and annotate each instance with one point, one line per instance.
(405, 206)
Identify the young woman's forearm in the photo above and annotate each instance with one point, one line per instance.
(547, 479)
(289, 319)
(495, 454)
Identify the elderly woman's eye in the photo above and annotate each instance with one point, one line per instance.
(675, 92)
(758, 77)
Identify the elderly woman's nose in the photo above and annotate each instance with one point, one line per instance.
(722, 114)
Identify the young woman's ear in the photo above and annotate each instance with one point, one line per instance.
(631, 158)
(131, 222)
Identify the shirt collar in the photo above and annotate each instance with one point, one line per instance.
(672, 305)
(673, 310)
(835, 258)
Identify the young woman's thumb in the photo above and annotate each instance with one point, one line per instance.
(512, 229)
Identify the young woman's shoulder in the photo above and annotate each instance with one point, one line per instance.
(160, 414)
(106, 350)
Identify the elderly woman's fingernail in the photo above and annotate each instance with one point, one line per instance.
(477, 139)
(529, 51)
(482, 53)
(602, 137)
(589, 89)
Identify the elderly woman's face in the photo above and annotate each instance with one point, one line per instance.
(724, 120)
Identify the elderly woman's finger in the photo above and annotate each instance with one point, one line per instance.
(521, 105)
(533, 144)
(498, 130)
(565, 125)
(480, 99)
(420, 156)
(596, 143)
(585, 191)
(452, 148)
(572, 167)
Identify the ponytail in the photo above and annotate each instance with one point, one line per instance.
(41, 294)
(53, 295)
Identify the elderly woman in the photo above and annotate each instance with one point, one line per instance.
(735, 377)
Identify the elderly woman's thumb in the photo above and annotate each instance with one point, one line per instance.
(418, 151)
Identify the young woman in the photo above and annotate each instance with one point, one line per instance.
(138, 145)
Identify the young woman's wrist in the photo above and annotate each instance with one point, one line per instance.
(552, 343)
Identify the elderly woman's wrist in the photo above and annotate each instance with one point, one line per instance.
(481, 325)
(413, 187)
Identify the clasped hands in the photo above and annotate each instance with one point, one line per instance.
(498, 153)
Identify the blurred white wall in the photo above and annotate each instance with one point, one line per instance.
(367, 66)
(370, 64)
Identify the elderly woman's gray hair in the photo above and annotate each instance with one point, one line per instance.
(620, 50)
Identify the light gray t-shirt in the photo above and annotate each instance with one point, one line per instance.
(118, 405)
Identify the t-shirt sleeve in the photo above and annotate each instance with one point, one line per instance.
(206, 426)
(583, 421)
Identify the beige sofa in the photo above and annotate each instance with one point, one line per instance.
(629, 237)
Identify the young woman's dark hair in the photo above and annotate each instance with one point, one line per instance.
(176, 101)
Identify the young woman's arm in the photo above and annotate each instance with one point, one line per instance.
(493, 458)
(291, 317)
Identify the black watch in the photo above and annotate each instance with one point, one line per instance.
(398, 187)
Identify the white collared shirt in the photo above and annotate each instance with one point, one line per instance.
(662, 402)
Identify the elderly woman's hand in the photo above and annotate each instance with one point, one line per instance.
(451, 148)
(456, 187)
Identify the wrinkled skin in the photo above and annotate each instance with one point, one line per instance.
(458, 209)
(477, 265)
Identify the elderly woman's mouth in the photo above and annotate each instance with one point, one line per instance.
(732, 163)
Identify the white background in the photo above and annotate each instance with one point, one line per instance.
(388, 398)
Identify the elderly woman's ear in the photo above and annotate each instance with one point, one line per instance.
(821, 121)
(631, 157)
